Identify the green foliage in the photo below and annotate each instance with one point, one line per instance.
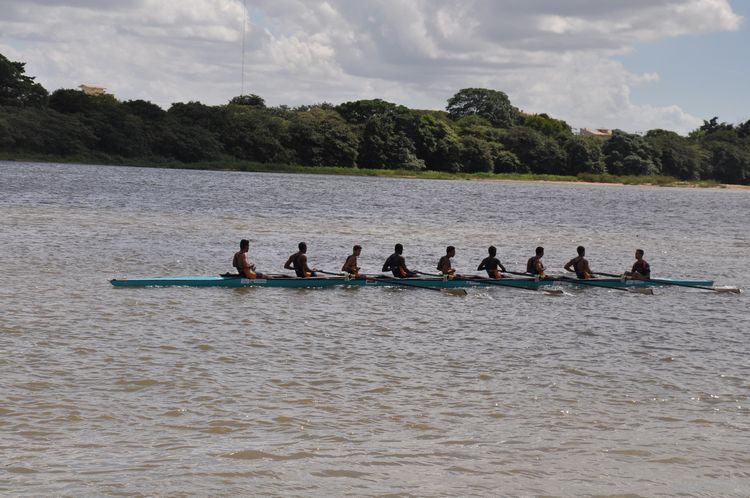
(539, 153)
(251, 100)
(492, 105)
(548, 126)
(476, 155)
(437, 143)
(584, 155)
(320, 137)
(18, 89)
(386, 145)
(628, 154)
(481, 134)
(678, 156)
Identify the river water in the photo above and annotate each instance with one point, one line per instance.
(364, 391)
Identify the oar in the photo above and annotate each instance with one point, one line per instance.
(551, 292)
(453, 292)
(339, 274)
(637, 290)
(733, 290)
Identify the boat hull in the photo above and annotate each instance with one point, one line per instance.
(294, 282)
(439, 283)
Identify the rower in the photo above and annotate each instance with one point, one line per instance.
(298, 262)
(245, 267)
(491, 264)
(534, 265)
(579, 264)
(641, 269)
(350, 266)
(397, 264)
(444, 264)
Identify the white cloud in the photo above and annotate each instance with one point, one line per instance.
(548, 55)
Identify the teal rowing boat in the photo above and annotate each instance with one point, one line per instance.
(381, 281)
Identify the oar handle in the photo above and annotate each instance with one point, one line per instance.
(607, 274)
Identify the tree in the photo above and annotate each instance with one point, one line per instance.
(437, 143)
(144, 110)
(548, 126)
(539, 153)
(492, 105)
(321, 137)
(251, 100)
(628, 154)
(584, 155)
(476, 155)
(17, 89)
(360, 111)
(69, 101)
(384, 146)
(678, 156)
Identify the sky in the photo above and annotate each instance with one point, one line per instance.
(629, 64)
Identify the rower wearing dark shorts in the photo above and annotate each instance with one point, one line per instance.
(534, 265)
(397, 264)
(350, 266)
(444, 264)
(244, 266)
(298, 262)
(641, 269)
(579, 264)
(491, 264)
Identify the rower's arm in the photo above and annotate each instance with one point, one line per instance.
(481, 266)
(502, 268)
(387, 265)
(288, 264)
(569, 265)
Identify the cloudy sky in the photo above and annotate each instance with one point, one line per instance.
(630, 64)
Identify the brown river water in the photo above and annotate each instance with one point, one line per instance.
(364, 391)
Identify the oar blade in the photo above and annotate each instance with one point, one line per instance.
(648, 291)
(727, 290)
(553, 292)
(454, 292)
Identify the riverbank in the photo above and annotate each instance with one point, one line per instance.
(249, 166)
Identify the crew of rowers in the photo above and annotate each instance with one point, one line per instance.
(396, 264)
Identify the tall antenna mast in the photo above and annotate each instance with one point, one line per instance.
(244, 28)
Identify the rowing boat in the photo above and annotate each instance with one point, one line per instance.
(380, 281)
(295, 282)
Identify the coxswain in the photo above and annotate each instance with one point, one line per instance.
(534, 265)
(641, 269)
(350, 266)
(579, 264)
(298, 262)
(245, 267)
(397, 264)
(444, 266)
(491, 264)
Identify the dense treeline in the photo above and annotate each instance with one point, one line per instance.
(480, 131)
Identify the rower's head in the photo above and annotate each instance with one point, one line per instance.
(581, 250)
(492, 250)
(399, 248)
(244, 245)
(450, 251)
(302, 247)
(357, 250)
(540, 251)
(639, 254)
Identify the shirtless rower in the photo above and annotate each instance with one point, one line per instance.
(491, 264)
(298, 262)
(245, 267)
(641, 269)
(534, 265)
(397, 264)
(579, 264)
(444, 265)
(350, 266)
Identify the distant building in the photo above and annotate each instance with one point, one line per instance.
(92, 90)
(595, 132)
